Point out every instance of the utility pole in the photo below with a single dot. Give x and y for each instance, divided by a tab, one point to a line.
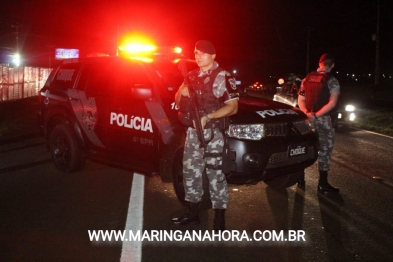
17	37
377	73
16	55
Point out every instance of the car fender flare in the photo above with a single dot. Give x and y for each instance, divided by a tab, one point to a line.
59	115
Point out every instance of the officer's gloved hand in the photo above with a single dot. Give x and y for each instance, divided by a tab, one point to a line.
311	117
184	90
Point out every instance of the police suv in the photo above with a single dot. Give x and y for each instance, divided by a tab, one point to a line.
122	111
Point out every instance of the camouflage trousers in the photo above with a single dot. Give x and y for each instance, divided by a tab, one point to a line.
195	162
326	133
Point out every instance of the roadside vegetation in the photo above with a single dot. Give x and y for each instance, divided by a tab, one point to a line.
377	120
374	110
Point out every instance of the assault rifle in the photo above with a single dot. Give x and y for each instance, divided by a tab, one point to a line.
195	114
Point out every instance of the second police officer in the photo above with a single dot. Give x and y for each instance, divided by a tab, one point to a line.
318	96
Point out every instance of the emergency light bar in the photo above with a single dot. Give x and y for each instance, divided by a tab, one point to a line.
177	50
147	52
138	48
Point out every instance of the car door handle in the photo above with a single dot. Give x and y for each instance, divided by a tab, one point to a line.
72	99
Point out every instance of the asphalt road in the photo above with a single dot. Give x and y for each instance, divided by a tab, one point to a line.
46	215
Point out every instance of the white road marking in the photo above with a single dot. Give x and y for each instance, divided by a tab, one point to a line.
132	250
374	133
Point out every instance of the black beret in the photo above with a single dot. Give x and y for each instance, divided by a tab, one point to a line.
205	46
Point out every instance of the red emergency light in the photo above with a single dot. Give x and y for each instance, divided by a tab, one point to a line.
136	48
142	48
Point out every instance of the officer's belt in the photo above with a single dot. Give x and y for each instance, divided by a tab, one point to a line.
207	154
213	124
210	166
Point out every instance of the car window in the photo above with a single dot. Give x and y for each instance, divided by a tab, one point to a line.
66	75
84	76
100	78
131	75
170	76
285	89
294	89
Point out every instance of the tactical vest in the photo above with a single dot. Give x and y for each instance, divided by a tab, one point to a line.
206	101
316	90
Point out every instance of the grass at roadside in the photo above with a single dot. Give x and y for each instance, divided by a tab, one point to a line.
377	120
375	111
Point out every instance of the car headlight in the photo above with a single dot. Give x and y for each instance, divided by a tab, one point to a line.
349	108
250	132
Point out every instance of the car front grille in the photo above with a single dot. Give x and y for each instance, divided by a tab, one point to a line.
279	129
281	159
302	127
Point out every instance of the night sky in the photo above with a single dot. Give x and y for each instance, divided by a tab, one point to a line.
258	38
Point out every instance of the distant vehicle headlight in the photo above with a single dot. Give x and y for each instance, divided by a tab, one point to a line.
349	108
250	132
352	117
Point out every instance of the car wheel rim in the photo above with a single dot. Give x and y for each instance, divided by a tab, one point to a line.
61	150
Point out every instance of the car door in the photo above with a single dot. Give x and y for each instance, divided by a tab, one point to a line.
131	129
94	91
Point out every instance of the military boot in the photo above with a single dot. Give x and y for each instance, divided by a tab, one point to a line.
323	185
191	217
219	220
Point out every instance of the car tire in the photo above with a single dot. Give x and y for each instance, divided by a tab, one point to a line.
64	149
168	157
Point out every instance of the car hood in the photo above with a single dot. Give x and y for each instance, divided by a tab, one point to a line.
259	110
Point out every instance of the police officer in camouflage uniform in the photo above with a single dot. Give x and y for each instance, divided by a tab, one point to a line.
217	98
318	96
